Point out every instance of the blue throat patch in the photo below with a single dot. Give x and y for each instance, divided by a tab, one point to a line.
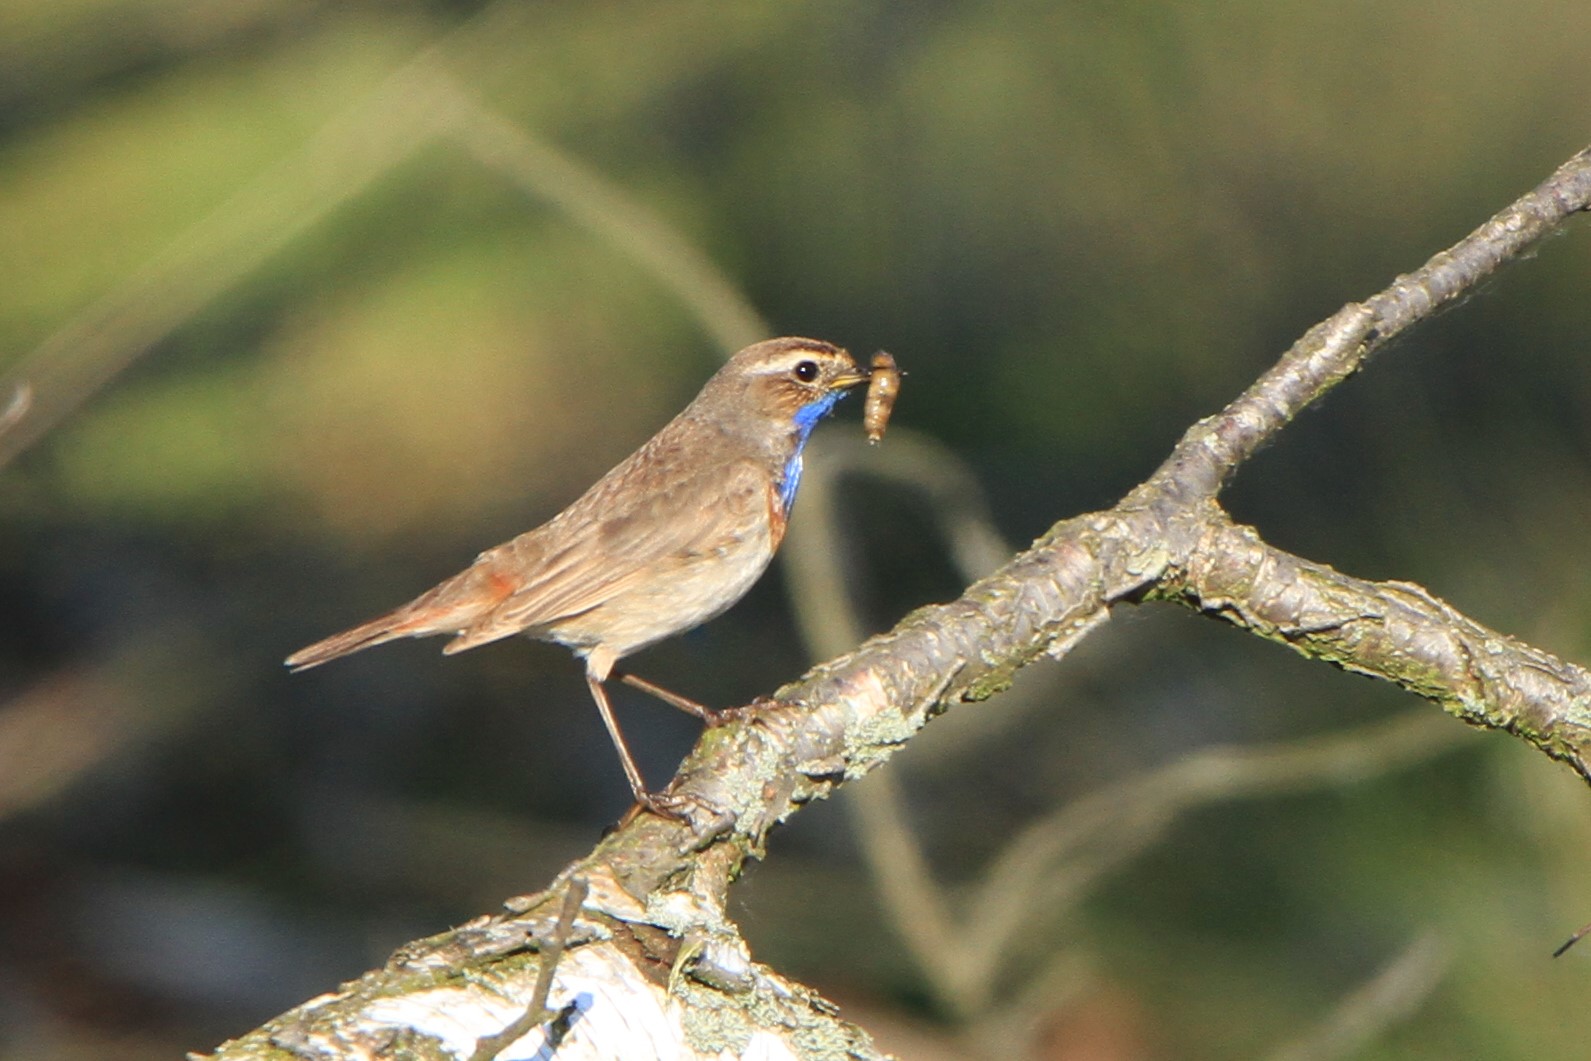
806	418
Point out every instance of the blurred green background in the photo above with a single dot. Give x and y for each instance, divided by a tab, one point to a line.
302	344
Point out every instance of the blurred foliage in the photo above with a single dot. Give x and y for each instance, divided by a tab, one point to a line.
1077	226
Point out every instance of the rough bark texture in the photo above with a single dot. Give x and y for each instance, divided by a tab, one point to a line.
653	965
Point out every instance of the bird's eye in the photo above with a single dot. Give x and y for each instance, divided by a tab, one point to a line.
806	371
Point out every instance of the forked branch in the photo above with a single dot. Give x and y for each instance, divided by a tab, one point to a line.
654	943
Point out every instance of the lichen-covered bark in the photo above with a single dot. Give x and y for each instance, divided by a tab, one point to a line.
1396	631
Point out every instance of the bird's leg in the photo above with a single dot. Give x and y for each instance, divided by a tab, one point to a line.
690	707
659	805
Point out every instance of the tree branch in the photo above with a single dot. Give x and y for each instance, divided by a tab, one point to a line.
1395	631
1338	347
654	946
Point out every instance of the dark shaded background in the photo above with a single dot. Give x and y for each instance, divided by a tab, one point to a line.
1078	226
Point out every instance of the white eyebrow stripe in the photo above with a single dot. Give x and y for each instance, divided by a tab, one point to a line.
791	360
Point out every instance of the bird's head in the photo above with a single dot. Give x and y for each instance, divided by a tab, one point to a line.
771	395
785	384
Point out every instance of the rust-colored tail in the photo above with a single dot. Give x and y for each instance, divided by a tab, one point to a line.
446	608
383	628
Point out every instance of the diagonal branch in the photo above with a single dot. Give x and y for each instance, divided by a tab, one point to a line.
1338	347
655	921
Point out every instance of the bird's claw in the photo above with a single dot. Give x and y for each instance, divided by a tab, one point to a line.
721	717
726	715
665	805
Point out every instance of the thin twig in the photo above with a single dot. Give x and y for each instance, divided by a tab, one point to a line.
1100	832
1010	1029
1580	934
17	405
415	104
826	614
1388	997
285	201
536	1014
609	212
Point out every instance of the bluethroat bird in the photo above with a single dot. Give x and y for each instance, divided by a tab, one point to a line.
669	539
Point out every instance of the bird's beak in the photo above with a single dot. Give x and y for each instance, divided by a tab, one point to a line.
849	380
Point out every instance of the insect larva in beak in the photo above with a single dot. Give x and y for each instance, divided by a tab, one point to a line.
881	392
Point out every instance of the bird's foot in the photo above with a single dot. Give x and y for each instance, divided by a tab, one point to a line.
726	715
704	820
666	805
722	716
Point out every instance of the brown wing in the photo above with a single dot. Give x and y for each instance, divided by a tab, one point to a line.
641	522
